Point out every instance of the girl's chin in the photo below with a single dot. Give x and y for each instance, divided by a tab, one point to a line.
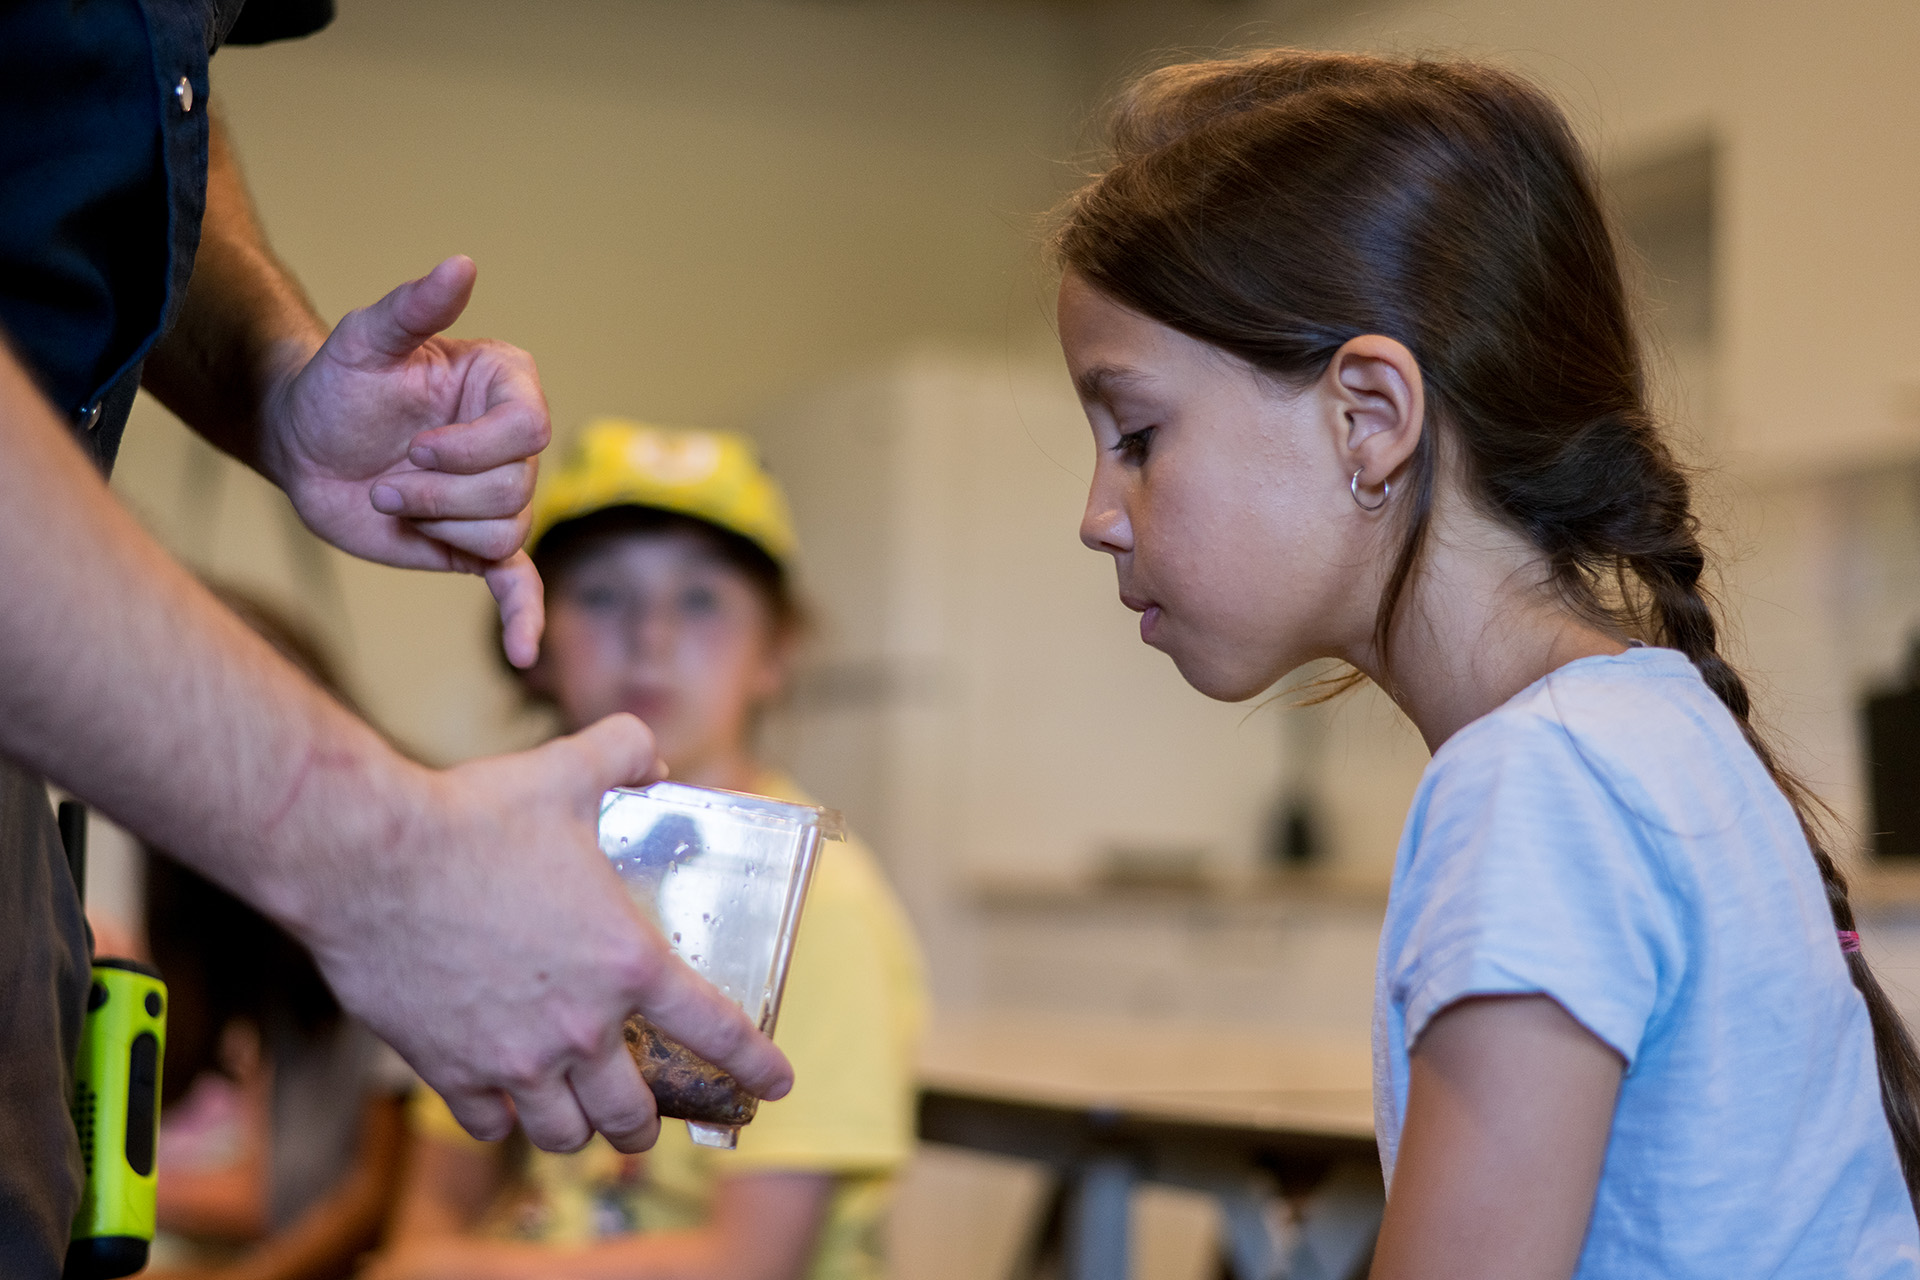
1223	681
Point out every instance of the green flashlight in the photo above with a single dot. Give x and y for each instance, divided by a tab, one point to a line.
116	1110
116	1100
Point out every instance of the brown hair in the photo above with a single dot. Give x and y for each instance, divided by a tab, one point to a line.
1279	204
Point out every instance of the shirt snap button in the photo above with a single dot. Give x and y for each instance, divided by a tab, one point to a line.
184	92
90	416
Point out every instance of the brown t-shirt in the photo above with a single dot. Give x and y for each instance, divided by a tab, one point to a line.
44	970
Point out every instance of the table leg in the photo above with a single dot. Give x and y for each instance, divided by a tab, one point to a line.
1253	1249
1039	1257
1339	1224
1330	1235
1098	1226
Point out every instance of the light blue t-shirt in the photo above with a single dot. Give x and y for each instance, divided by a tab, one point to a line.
1608	839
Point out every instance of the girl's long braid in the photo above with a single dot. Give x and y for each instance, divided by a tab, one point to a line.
1613	508
1682	617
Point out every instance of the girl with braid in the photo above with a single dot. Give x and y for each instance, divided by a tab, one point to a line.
1353	339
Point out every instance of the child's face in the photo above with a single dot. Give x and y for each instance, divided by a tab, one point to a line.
661	626
1221	496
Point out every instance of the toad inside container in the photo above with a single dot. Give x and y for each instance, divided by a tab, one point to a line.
724	875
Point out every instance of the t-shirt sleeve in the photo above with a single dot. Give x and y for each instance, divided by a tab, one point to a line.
429	1117
1528	875
848	1023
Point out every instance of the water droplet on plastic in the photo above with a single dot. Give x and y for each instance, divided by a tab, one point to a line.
624	840
676	937
706	918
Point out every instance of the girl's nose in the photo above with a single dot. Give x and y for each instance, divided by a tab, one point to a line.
652	631
1104	525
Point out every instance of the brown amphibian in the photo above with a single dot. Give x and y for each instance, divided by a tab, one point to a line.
685	1085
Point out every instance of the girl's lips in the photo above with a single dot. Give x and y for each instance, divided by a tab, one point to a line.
1149	614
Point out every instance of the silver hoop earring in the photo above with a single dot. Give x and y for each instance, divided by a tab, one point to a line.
1353	487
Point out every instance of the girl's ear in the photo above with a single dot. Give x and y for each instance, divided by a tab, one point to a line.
1376	389
777	663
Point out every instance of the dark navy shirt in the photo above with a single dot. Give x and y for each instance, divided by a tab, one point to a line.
103	181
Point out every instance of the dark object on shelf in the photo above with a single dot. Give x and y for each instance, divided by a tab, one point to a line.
1891	720
1294	836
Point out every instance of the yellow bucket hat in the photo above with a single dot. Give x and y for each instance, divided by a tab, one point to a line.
710	475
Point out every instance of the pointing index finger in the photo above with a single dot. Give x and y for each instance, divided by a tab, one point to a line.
516	588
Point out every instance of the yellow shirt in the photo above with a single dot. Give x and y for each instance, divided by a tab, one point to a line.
850	1022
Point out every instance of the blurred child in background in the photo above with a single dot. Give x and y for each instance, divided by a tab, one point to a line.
283	1121
667	559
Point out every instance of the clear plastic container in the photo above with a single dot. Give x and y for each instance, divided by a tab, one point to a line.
723	875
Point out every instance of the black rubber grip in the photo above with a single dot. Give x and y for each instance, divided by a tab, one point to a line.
73	838
104	1257
143	1090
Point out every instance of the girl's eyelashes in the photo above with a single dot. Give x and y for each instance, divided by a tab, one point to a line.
1132	445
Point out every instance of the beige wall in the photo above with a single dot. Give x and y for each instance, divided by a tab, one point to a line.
699	210
694	210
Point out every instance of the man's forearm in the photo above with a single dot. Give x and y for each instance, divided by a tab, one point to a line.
127	683
246	323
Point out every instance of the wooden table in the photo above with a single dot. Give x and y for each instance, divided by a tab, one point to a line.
1239	1114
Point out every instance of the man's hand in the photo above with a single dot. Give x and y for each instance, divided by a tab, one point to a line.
394	443
500	953
412	449
467	915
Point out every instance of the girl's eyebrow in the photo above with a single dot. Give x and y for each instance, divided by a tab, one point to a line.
1102	381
